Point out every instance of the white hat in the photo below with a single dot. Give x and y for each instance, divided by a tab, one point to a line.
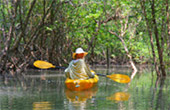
78	51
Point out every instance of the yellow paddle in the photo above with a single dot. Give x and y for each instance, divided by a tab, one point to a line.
116	77
45	65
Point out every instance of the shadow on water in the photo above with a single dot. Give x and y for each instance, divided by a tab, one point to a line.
45	90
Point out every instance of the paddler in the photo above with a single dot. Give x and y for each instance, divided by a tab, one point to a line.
78	69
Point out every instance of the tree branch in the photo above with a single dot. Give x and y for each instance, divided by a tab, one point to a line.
127	53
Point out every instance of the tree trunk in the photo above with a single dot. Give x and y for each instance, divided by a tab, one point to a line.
160	50
168	27
151	39
108	57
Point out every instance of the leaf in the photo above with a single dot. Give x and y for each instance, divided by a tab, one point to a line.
49	29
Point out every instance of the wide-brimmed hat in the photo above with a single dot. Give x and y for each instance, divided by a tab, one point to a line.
79	51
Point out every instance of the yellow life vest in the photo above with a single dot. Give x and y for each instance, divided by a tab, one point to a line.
78	69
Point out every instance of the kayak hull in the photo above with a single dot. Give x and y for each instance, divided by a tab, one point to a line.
80	85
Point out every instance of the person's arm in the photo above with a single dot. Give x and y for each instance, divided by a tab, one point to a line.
67	71
67	74
88	71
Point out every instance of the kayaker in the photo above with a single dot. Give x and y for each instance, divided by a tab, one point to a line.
77	68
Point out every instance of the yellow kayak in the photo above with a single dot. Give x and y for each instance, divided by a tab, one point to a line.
80	85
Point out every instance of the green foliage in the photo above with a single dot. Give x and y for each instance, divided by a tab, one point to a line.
86	24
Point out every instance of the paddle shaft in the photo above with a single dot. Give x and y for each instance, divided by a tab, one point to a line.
101	74
60	67
98	74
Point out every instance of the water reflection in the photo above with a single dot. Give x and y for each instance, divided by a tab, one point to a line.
160	100
45	90
119	96
78	99
42	106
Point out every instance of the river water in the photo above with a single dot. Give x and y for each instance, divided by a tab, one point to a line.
45	90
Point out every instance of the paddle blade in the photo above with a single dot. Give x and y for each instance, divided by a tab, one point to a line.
119	78
43	64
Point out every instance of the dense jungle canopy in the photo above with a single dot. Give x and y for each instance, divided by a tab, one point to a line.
111	31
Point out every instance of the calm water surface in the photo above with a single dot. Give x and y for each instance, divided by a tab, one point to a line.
45	90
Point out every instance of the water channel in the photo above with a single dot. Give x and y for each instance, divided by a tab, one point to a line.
45	90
